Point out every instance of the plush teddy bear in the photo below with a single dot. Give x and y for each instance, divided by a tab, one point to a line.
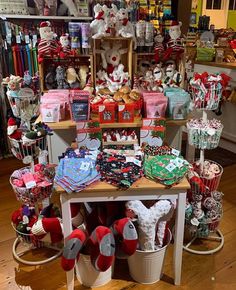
125	27
174	45
47	44
72	78
98	24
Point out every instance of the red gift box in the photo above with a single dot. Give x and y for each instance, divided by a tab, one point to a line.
107	113
126	113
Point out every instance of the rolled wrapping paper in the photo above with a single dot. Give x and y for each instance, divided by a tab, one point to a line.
204	134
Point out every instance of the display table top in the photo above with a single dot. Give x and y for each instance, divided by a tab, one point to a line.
140	185
69	124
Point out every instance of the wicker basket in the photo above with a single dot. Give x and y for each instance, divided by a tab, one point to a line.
32	195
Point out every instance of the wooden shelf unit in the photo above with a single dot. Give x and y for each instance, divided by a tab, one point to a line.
42	17
78	60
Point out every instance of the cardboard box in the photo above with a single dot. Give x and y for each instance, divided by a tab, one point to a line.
126	113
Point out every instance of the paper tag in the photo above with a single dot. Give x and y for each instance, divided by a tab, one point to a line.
101	108
28	179
25	220
84	166
175	152
211	131
170	167
129	159
18	39
178	162
194	221
35	39
27	39
8	38
137	162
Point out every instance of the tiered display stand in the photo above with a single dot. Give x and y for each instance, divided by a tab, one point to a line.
25	107
207	229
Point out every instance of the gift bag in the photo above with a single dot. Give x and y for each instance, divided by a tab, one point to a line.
152	132
155	105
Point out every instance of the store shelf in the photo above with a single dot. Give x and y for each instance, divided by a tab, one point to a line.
41	17
68	124
132	142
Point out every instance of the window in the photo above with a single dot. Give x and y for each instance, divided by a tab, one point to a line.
232	4
213	4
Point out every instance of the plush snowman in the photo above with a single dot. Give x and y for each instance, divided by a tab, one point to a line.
47	44
174	46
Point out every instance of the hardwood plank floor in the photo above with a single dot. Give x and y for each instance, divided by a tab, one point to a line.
210	272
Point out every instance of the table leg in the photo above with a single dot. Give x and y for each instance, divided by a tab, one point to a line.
67	229
179	236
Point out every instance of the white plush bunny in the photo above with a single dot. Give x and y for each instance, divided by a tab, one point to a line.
98	24
148	220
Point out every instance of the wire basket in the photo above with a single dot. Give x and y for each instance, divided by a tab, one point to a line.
29	238
25	105
206	138
207	96
32	195
28	152
204	228
208	184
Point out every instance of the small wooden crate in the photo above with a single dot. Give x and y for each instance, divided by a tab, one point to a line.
74	61
126	58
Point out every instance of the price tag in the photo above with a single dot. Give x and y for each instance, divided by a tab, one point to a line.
175	152
27	39
18	39
170	167
84	166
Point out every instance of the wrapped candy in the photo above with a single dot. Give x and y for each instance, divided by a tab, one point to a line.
204	134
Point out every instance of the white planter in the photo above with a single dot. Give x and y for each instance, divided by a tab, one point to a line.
145	267
89	276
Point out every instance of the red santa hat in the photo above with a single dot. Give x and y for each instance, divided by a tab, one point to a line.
45	24
11	122
175	23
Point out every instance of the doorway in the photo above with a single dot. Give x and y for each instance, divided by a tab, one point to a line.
218	12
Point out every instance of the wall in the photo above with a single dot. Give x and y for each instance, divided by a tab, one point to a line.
232	19
231	15
198	11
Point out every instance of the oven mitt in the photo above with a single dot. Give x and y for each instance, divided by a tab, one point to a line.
102	248
71	249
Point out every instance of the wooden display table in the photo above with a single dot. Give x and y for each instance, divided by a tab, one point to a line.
143	189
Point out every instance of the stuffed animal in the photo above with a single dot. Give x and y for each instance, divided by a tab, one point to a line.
47	44
158	78
12	129
125	27
72	78
98	24
13	85
158	46
83	73
60	78
148	219
50	78
65	48
174	46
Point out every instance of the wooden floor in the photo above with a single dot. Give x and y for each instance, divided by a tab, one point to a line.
211	272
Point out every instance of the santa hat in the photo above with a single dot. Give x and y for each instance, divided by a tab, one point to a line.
11	126
175	23
11	122
45	24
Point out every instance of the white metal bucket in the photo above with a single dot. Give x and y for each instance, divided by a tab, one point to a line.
89	276
146	267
